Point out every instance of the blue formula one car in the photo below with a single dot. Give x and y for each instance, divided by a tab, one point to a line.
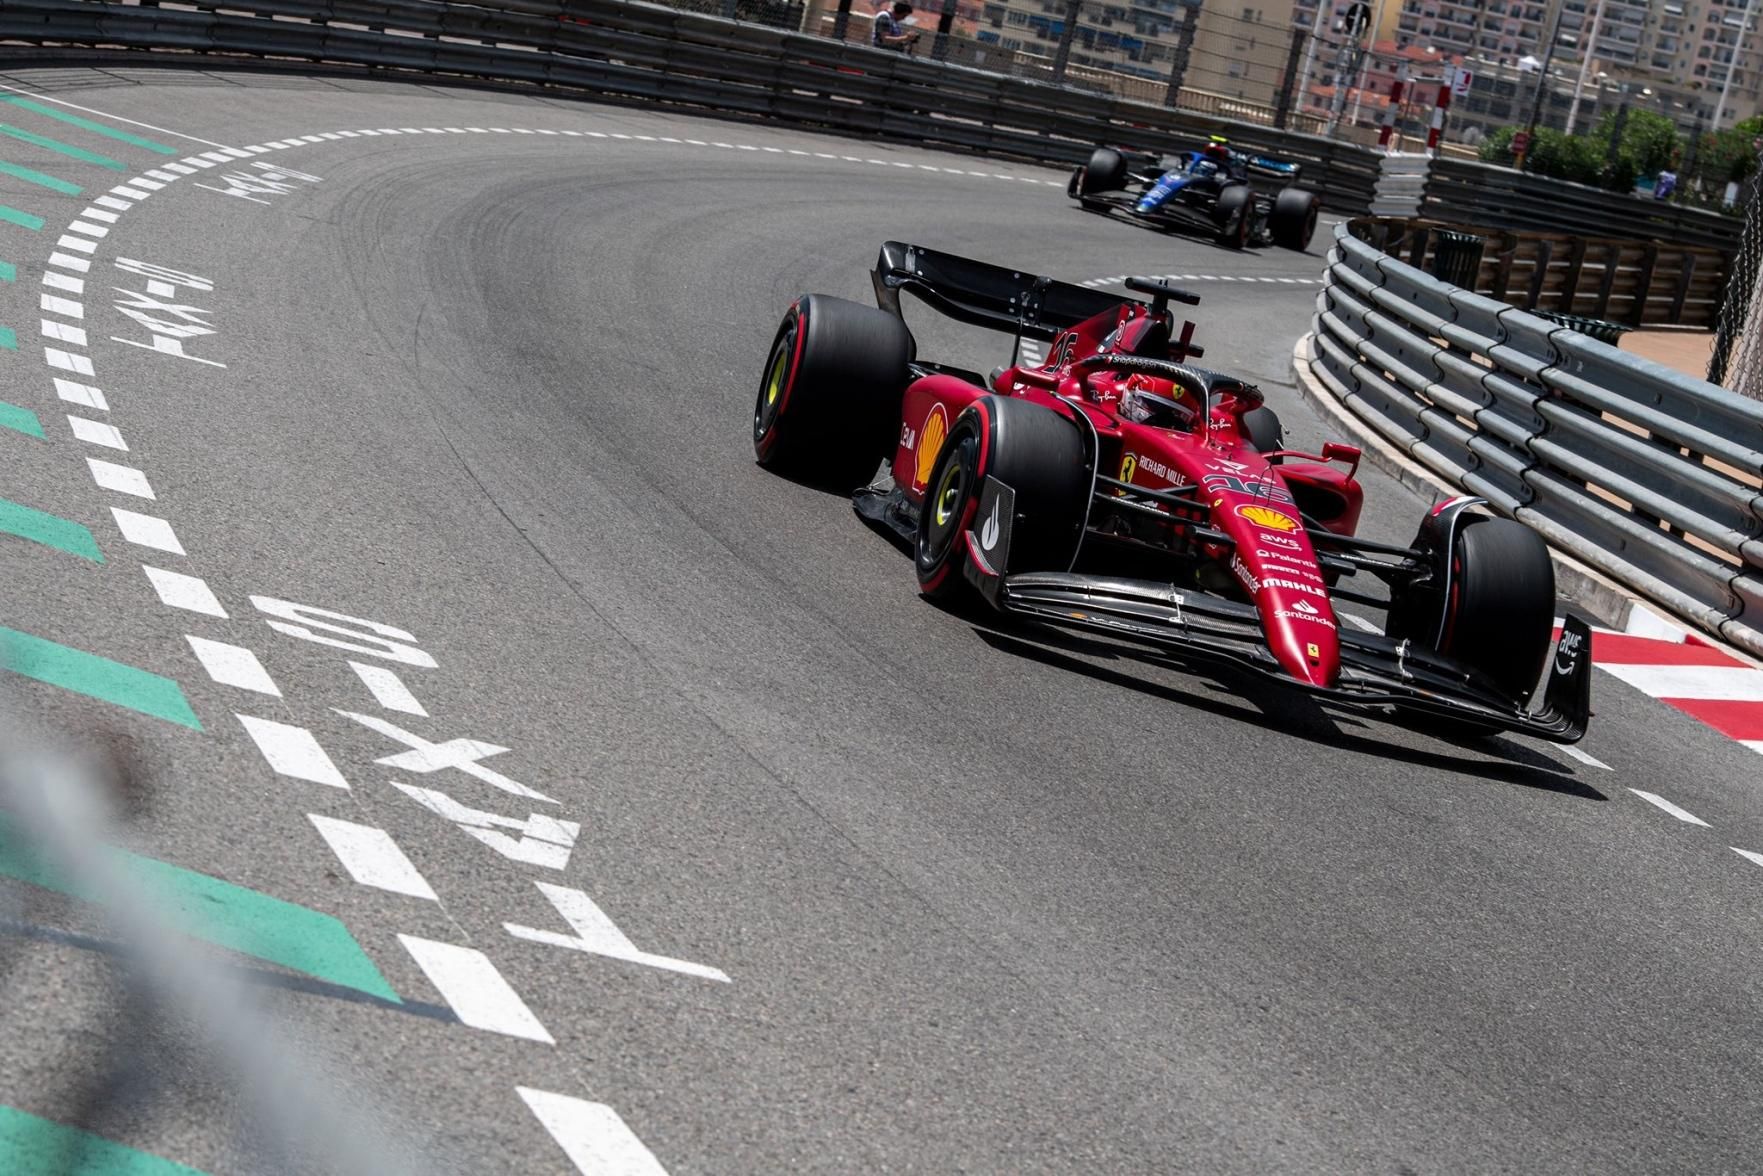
1238	199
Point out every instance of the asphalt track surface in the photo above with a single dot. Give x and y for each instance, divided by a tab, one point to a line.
984	903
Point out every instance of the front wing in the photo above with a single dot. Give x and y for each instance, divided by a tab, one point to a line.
1174	215
1376	671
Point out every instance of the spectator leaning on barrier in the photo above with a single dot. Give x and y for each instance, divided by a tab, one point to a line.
889	33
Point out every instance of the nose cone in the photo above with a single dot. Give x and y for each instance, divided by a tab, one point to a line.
1303	639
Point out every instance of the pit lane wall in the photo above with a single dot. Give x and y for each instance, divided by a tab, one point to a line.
1651	477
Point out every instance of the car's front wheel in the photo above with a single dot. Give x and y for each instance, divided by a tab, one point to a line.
1035	451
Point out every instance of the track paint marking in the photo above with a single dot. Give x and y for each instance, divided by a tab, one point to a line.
292	751
8	339
120	478
233	665
87	229
1586	758
8	272
171	171
143	182
97	432
96	677
1731	683
596	934
20	420
67	149
147	531
62	332
1683	815
425	757
77	244
31	1144
55	304
49	530
97	128
1610	649
79	365
1753	858
225	914
591	1134
77	264
371	857
41	179
474	989
388	689
84	394
22	219
131	193
1358	622
176	590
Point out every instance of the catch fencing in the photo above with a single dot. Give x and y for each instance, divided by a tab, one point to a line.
1652	477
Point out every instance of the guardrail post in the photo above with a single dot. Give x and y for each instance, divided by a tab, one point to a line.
1684	277
1575	263
1612	260
1178	66
1643	285
842	21
1508	252
1072	10
1283	111
1540	274
728	8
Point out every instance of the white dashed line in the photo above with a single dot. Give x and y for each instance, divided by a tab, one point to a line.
1586	758
1683	815
82	394
62	332
176	590
372	858
120	478
1754	858
474	989
146	531
63	306
233	665
63	282
292	751
97	432
592	1135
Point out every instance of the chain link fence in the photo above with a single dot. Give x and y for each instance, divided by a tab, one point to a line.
1737	362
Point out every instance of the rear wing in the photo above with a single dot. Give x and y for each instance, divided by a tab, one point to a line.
984	295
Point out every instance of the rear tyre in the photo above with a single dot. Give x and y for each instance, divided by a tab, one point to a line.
830	395
1233	212
1106	172
1293	219
1501	614
1035	451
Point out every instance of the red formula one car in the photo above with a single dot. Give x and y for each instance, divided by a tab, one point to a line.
1119	489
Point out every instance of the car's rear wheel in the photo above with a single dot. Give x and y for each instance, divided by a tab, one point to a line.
1035	451
1234	214
1293	219
1106	172
830	396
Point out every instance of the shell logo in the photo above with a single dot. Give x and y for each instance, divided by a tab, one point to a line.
930	442
1266	516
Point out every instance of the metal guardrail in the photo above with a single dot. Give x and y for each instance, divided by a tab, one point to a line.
1638	283
1652	477
628	50
1500	198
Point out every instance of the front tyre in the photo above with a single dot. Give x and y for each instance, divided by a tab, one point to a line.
1040	455
830	394
1234	214
1501	614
